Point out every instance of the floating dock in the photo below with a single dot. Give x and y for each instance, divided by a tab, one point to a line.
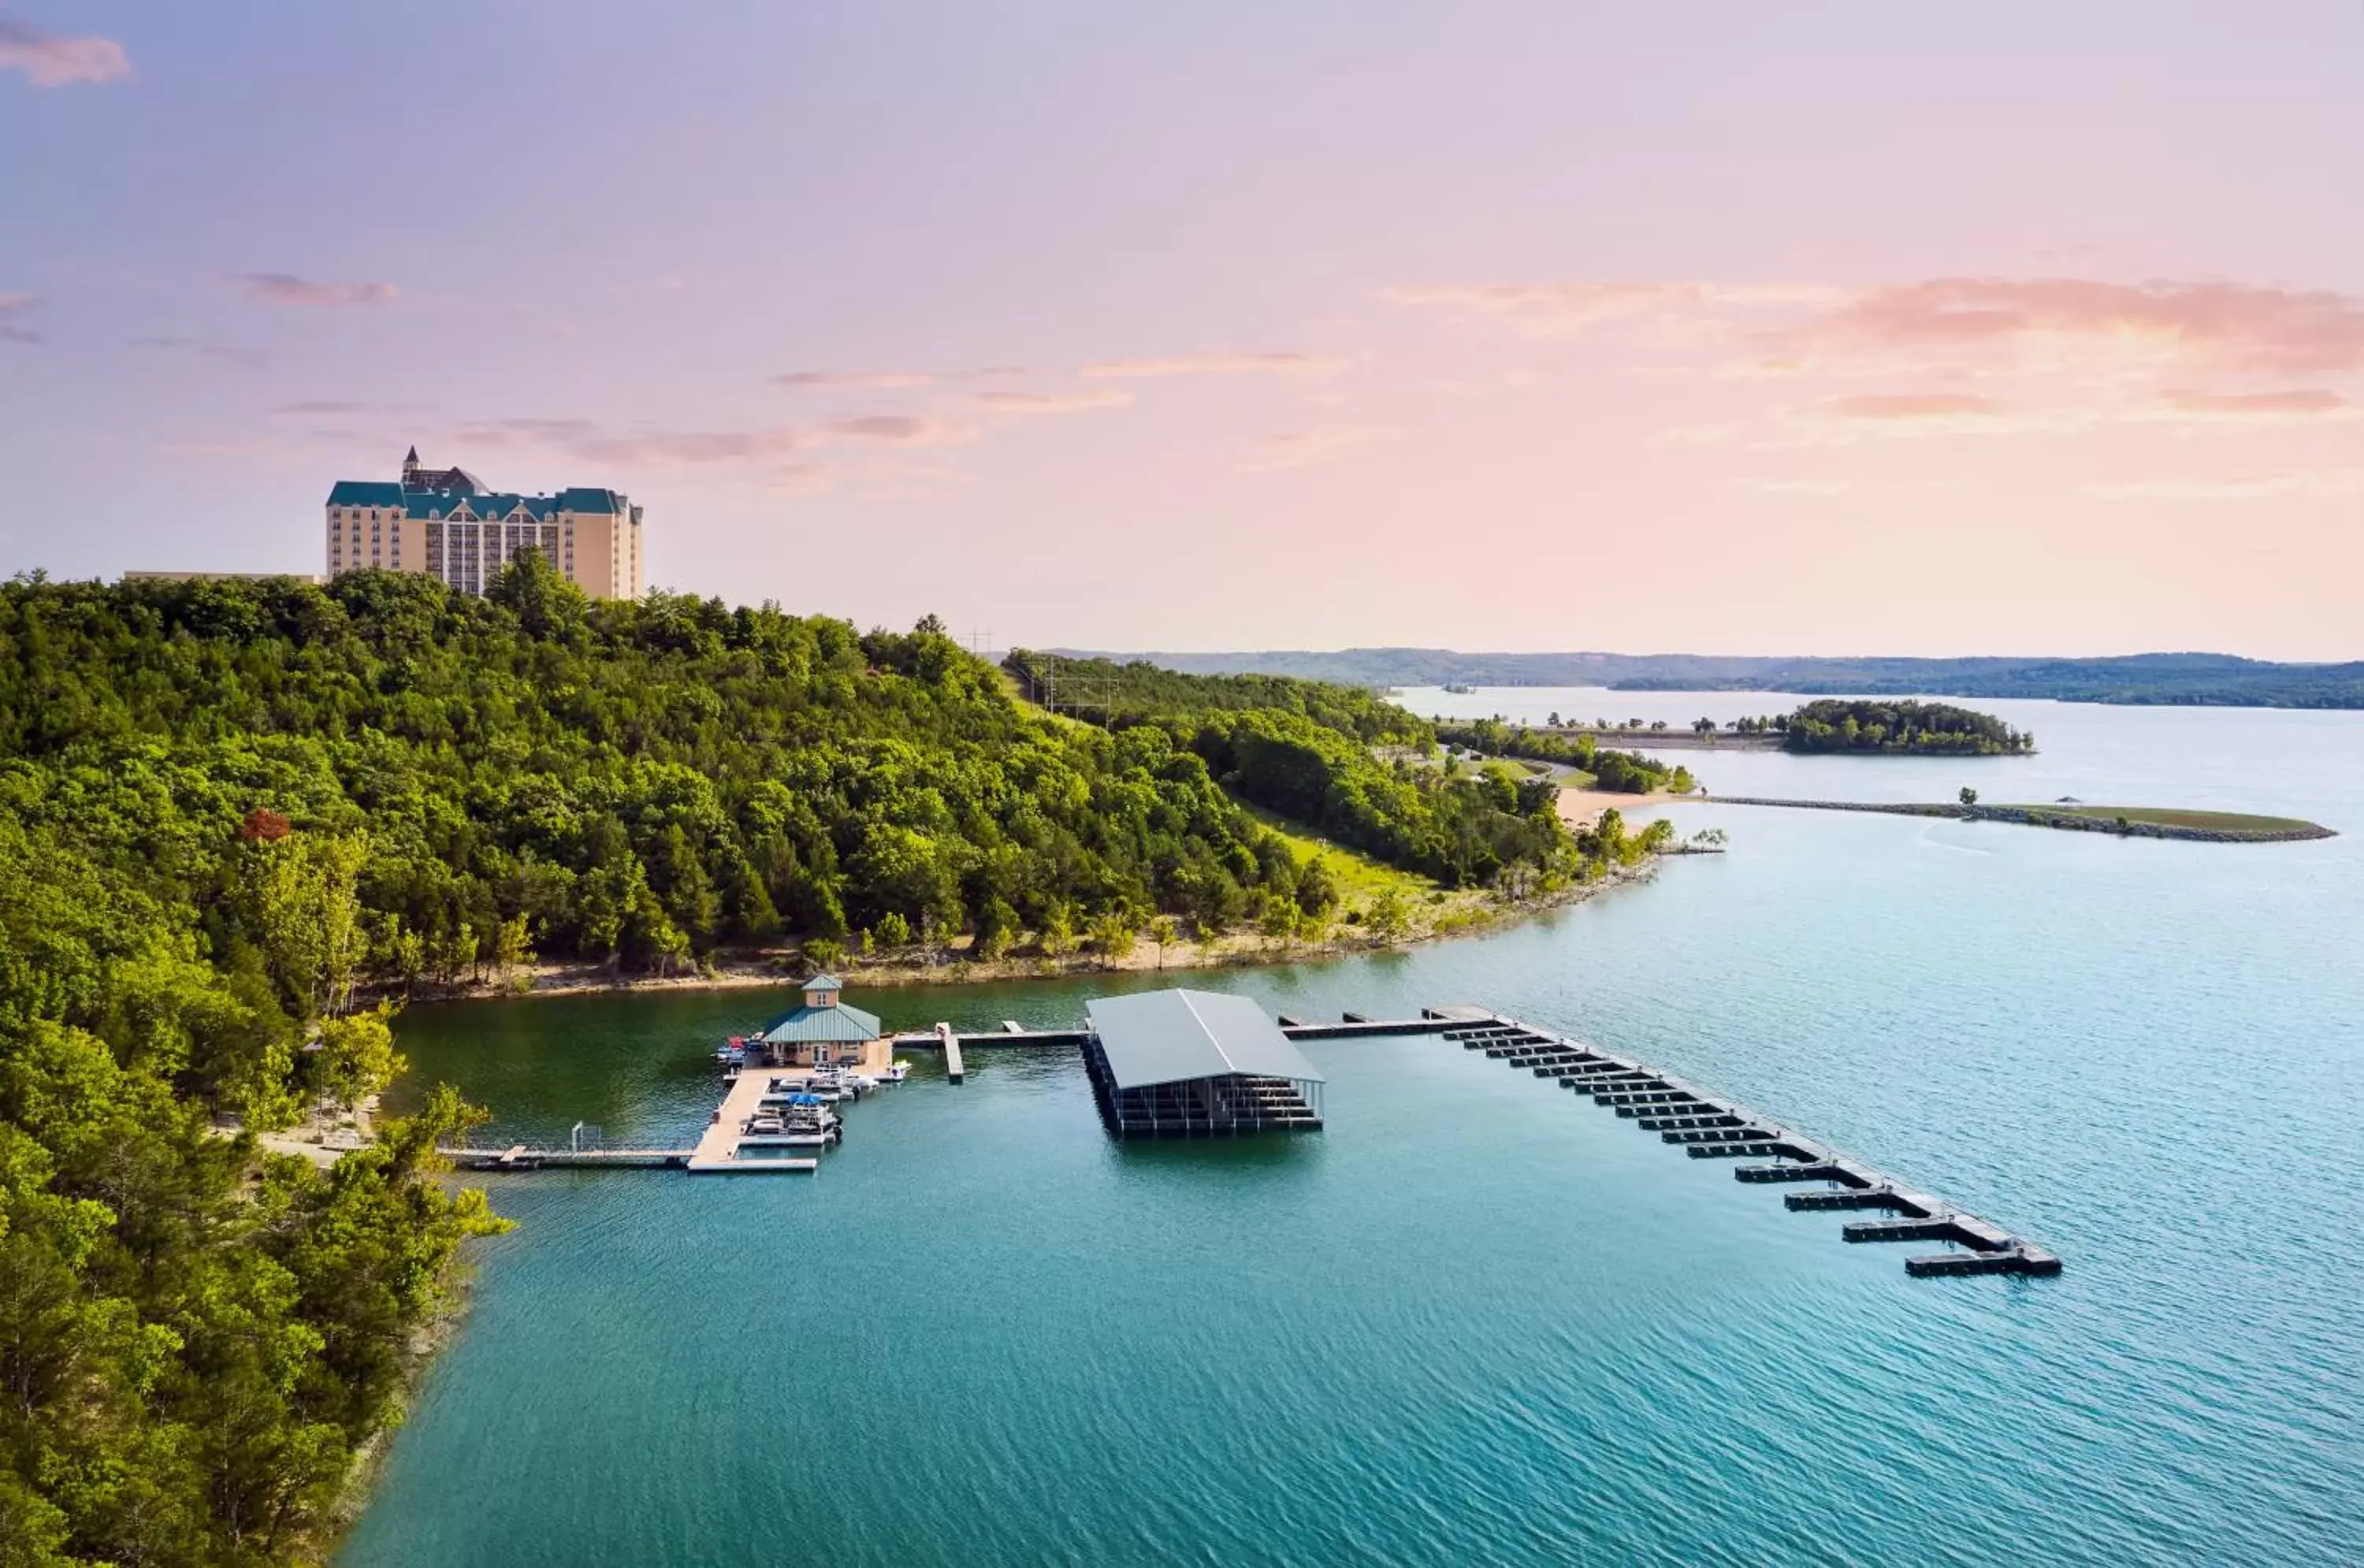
725	1148
1707	1128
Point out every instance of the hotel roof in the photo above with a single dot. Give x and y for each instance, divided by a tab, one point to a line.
1170	1036
444	503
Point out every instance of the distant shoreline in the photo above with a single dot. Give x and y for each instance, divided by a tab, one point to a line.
2166	680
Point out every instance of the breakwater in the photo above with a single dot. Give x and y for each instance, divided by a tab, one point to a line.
2039	816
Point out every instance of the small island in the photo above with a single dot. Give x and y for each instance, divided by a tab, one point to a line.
1828	726
1885	727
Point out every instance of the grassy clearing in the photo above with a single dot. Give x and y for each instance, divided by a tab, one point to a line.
2169	816
1360	878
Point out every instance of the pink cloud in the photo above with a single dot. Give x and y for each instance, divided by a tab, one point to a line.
1885	405
1053	402
1548	306
2311	406
593	442
1545	309
1219	364
863	379
1843	421
900	429
13	305
2303	485
206	348
286	288
670	448
2239	325
1299	449
49	61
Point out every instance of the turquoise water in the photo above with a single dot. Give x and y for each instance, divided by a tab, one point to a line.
1479	1320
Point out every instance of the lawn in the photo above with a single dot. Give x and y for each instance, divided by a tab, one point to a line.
1359	877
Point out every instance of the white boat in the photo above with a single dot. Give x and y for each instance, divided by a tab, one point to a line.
811	1120
897	1073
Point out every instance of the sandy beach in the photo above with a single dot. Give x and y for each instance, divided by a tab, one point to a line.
1583	807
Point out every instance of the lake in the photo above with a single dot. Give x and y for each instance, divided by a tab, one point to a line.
1476	1320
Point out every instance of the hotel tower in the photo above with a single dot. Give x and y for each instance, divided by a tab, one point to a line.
443	522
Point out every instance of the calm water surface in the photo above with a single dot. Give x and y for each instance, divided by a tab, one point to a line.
1479	1320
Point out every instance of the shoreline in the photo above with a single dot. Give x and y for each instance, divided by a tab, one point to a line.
780	968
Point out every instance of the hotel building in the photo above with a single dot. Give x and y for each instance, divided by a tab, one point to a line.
442	521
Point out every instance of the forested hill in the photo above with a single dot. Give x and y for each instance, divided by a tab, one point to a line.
1106	691
1304	749
2188	679
224	805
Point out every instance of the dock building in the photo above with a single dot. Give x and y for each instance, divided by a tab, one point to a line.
824	1032
445	523
1195	1064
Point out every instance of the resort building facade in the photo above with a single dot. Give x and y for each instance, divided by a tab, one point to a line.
442	521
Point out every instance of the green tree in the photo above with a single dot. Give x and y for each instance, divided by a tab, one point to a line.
1113	935
356	1058
1164	931
1058	935
511	949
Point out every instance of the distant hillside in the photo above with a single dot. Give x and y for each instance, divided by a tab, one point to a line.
2209	679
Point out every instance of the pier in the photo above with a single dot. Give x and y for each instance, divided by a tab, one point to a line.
1707	1128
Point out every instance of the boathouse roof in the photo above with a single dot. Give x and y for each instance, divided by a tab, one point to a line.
1170	1036
835	1024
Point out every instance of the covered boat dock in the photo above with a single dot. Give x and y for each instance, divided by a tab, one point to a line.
1195	1064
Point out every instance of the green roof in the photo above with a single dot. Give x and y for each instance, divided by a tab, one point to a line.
832	1024
443	503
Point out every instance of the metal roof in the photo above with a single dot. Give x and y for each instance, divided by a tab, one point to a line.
830	1025
486	505
1168	1036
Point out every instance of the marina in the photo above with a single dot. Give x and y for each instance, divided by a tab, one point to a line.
1181	1063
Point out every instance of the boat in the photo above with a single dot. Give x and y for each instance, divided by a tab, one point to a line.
806	1117
733	1051
895	1074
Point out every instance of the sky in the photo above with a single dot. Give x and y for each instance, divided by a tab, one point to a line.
1821	328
